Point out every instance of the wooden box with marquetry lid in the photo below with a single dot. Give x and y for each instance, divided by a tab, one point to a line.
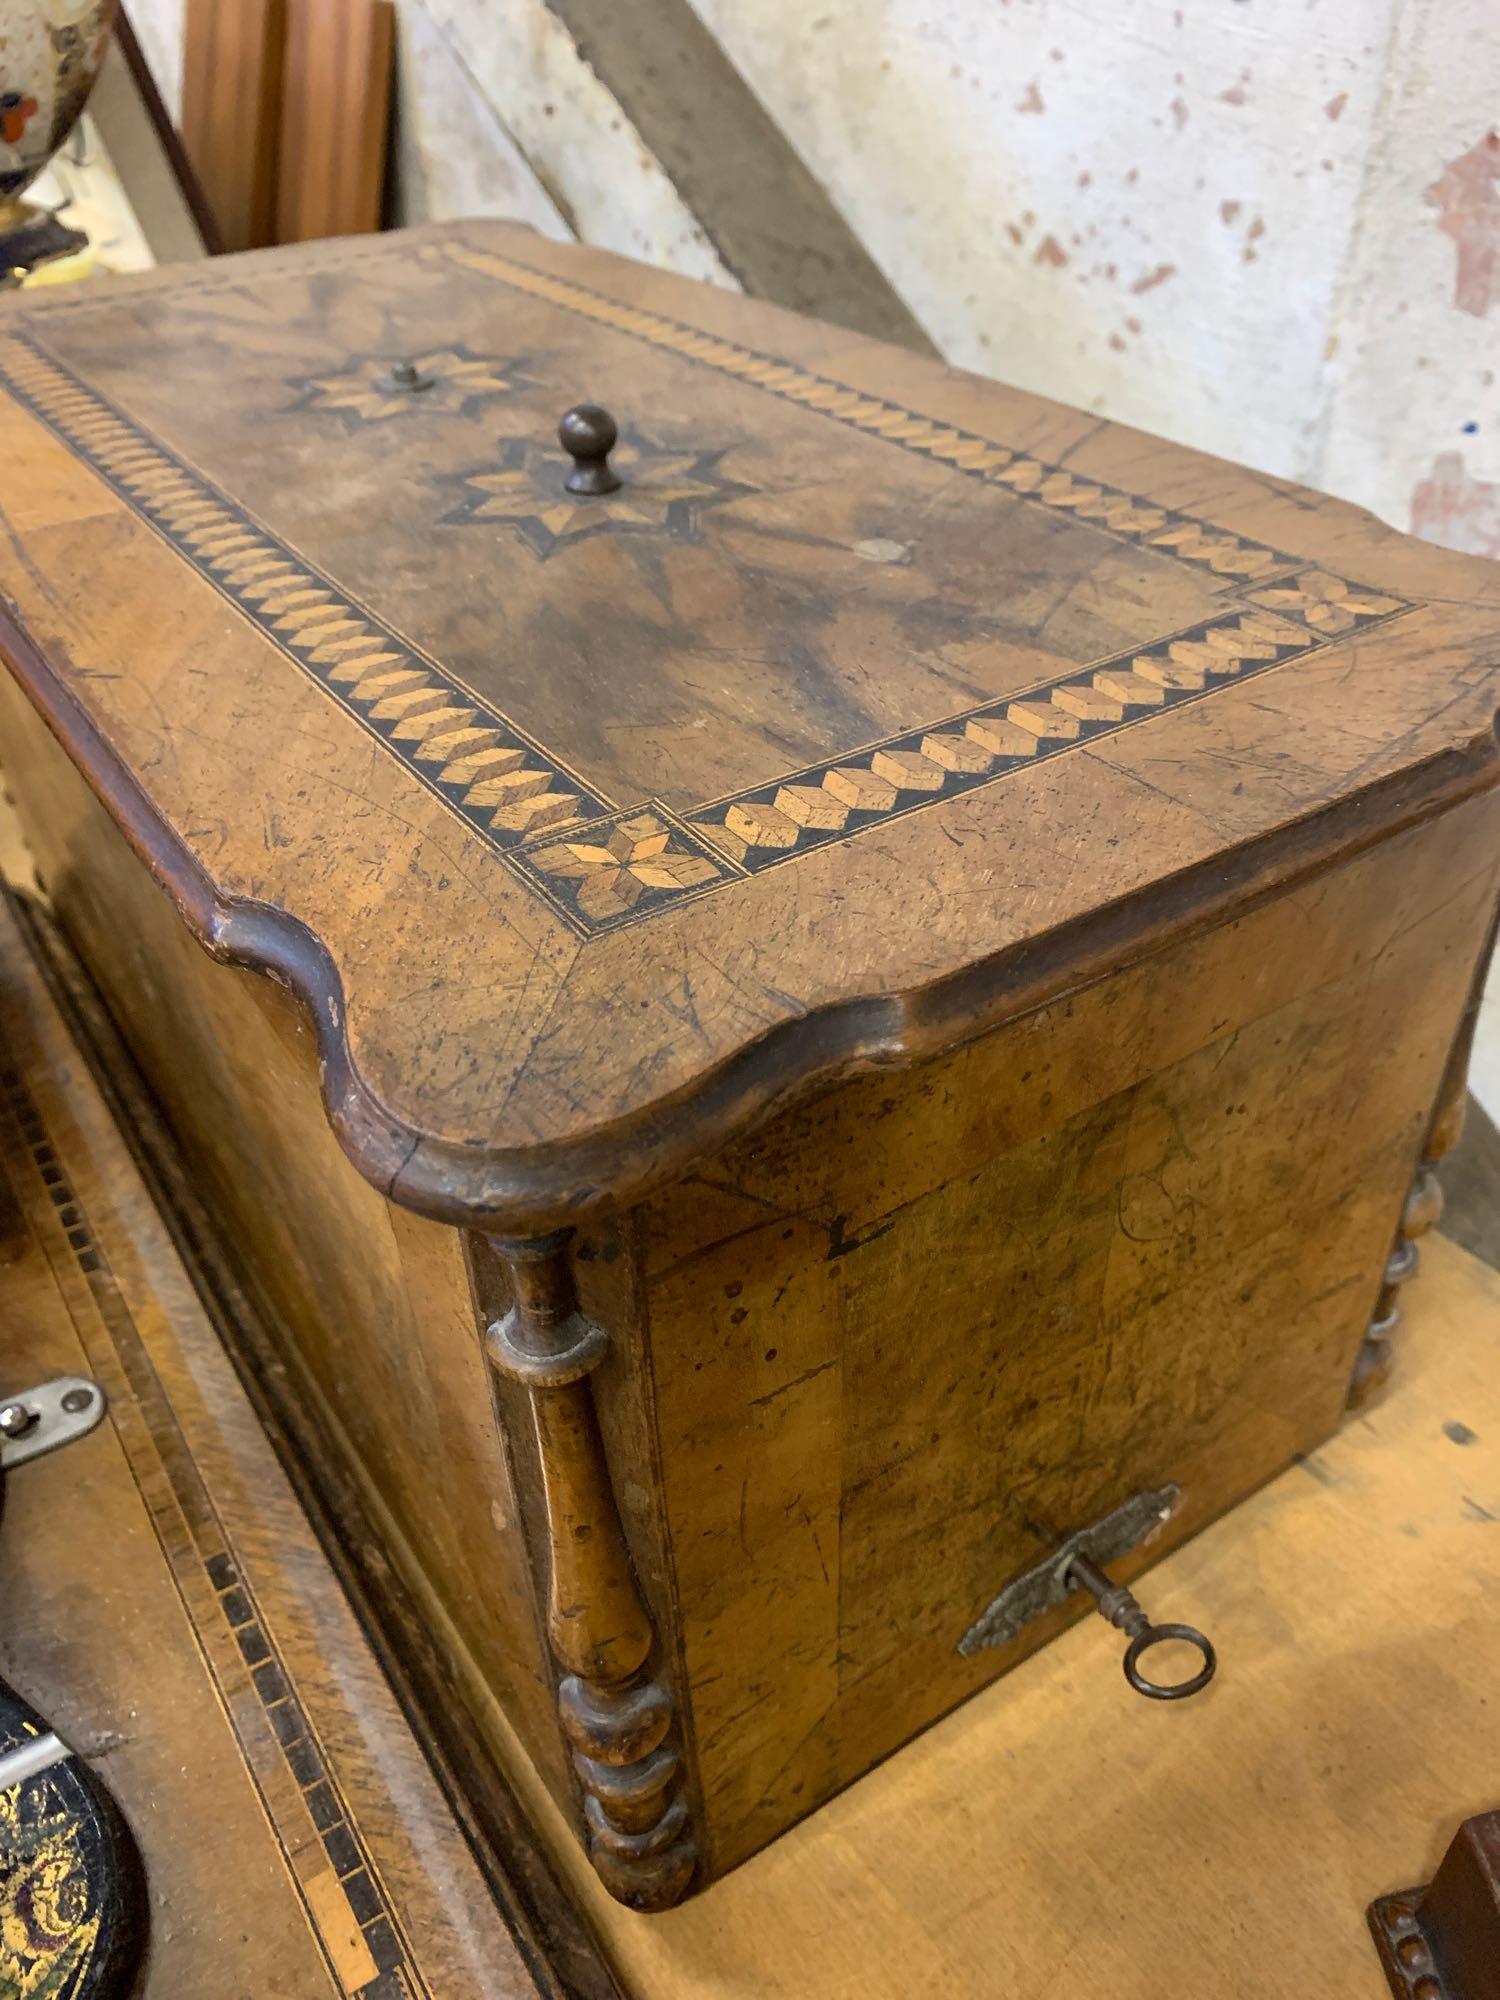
814	996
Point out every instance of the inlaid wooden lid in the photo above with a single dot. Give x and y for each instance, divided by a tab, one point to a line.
858	704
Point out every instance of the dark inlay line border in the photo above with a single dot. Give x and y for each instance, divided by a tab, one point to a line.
482	765
767	825
600	866
397	1974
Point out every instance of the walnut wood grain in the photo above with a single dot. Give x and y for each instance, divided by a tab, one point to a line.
336	100
962	912
676	676
1423	1208
175	1607
1050	1836
231	113
615	1717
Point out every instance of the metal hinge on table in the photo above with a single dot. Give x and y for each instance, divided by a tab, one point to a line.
46	1418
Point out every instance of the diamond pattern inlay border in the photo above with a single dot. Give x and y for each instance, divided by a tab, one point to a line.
476	760
767	824
1036	481
600	865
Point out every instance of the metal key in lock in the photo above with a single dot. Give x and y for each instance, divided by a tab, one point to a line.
1076	1564
1118	1606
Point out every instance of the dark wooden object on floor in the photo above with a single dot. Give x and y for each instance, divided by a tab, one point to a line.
1443	1942
878	988
231	113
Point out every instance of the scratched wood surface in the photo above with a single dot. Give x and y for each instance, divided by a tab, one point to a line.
1132	818
170	1611
1058	1835
1116	1207
905	1340
1104	1858
764	765
324	1255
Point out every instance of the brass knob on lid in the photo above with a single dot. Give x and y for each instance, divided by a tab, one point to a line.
588	435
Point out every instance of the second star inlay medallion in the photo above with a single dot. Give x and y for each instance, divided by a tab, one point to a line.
379	388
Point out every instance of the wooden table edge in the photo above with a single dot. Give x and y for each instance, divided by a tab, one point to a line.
521	1191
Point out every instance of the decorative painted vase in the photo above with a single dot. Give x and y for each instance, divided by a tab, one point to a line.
50	52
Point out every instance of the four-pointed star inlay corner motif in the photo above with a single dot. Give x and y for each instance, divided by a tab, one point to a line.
447	381
663	490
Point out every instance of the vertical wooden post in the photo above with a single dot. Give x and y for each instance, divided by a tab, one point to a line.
233	52
615	1716
1424	1202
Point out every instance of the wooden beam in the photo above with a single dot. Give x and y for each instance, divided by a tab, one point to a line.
335	114
771	221
231	112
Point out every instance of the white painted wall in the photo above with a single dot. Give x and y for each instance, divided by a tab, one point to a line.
1269	228
1223	220
1138	206
158	28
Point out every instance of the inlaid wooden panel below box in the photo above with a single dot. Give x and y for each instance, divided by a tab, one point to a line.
966	914
170	1609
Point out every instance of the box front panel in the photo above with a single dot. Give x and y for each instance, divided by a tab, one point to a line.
914	1334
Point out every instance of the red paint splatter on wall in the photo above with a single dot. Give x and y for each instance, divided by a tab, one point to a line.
1050	251
1031	99
1334	108
1467	199
16	112
1153	278
1451	506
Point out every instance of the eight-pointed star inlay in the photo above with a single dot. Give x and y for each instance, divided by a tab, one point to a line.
663	490
448	381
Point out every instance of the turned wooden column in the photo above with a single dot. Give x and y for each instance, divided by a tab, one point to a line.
616	1717
1423	1206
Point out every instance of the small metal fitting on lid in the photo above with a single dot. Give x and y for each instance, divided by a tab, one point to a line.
407	377
589	434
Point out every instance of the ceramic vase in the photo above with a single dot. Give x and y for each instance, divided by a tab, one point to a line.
50	52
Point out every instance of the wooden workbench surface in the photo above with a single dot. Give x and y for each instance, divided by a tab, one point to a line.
169	1610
